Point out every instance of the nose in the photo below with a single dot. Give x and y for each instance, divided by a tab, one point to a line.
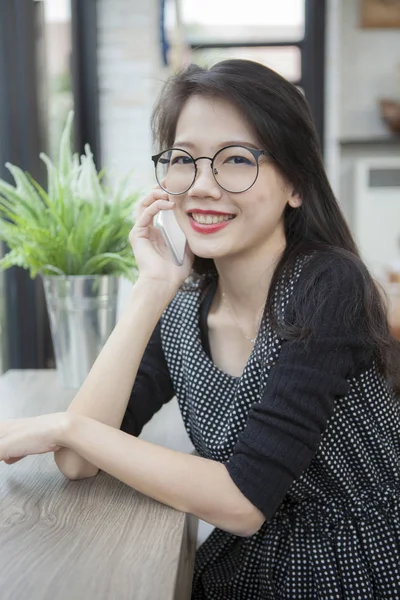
205	184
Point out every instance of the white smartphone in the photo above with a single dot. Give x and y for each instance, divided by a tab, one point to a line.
174	237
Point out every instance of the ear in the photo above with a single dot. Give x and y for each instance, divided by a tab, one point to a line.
295	201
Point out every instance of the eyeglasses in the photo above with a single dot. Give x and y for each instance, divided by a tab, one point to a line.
235	168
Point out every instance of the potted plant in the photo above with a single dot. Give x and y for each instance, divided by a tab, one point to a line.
75	235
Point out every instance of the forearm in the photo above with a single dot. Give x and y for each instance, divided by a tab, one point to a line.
187	483
105	392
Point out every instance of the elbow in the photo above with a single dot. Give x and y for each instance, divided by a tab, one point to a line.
72	466
244	521
237	514
246	518
249	524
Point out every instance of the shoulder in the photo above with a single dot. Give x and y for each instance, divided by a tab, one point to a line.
331	273
185	303
331	287
334	264
193	291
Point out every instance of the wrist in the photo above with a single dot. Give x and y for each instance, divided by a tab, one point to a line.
162	290
64	428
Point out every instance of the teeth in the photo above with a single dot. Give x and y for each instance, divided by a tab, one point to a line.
210	219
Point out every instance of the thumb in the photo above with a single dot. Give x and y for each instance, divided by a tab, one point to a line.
11	461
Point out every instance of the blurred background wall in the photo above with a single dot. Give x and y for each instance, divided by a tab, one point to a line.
370	68
130	72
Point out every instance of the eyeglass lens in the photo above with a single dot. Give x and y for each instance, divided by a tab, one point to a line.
235	169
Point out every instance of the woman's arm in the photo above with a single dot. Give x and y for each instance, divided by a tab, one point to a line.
152	388
188	483
105	393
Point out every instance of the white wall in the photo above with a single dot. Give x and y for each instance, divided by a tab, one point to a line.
370	69
130	76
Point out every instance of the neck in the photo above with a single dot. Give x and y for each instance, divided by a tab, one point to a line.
246	279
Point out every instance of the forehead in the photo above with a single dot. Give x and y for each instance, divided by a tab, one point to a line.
210	122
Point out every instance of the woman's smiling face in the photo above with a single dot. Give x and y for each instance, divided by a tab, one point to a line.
255	217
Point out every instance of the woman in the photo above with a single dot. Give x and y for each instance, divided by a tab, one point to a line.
278	351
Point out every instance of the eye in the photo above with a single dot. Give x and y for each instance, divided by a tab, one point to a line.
238	160
181	159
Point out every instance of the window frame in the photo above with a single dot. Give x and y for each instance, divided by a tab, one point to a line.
312	57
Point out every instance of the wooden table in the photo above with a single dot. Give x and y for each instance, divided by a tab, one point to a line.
95	538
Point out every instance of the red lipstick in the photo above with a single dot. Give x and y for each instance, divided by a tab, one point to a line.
207	228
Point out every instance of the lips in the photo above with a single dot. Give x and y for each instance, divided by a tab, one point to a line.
209	216
209	221
208	212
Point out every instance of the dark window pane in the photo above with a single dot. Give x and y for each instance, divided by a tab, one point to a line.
384	178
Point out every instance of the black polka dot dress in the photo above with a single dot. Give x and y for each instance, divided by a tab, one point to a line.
326	475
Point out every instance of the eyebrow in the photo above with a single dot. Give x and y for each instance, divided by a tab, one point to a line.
193	146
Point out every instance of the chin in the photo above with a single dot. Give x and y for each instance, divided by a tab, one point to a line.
208	251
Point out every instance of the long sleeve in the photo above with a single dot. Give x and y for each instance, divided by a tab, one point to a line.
152	387
284	429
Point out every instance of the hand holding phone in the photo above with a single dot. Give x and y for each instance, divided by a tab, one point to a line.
173	235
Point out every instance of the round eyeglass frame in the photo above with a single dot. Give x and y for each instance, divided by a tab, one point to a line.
256	153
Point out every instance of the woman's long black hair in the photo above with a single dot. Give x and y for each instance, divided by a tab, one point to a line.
281	119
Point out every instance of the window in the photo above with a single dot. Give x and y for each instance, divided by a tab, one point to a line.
287	36
58	45
213	21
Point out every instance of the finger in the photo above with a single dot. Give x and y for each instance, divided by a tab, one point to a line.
156	194
148	214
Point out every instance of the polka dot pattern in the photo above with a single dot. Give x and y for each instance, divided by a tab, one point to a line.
336	536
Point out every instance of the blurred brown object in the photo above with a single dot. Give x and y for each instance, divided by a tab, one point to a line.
390	113
393	268
392	301
394	277
380	14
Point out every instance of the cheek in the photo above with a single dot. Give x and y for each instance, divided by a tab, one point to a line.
267	210
181	217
